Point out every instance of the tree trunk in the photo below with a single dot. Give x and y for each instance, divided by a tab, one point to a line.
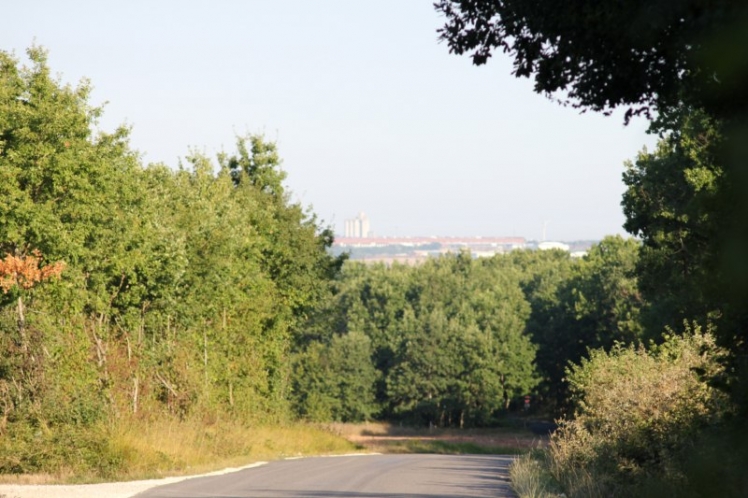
506	394
136	388
205	356
22	326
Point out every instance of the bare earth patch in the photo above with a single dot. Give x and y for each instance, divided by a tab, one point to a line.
389	438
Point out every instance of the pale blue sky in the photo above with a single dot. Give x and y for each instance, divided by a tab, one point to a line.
370	112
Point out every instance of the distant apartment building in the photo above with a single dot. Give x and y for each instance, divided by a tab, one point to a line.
357	227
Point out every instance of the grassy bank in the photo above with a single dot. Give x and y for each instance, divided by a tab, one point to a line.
531	477
139	450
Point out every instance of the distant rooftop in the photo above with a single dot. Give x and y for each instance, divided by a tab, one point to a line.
417	241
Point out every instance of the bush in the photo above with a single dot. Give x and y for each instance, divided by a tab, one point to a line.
64	450
638	415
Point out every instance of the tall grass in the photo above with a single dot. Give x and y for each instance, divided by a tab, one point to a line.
158	448
530	477
171	446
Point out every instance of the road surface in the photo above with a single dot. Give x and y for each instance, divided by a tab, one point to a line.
365	476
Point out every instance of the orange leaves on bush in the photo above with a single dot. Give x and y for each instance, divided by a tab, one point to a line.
25	271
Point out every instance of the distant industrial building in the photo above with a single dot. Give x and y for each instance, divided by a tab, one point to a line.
357	227
411	250
547	246
473	243
361	244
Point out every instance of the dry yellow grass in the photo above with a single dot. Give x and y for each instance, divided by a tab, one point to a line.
169	447
173	447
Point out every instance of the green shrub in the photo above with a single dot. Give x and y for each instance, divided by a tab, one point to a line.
638	415
83	451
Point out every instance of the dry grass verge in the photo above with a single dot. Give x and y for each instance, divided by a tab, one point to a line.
163	448
531	479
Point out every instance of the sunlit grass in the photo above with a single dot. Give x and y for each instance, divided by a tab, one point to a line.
173	447
135	450
531	479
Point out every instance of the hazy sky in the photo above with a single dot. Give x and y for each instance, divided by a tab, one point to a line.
370	112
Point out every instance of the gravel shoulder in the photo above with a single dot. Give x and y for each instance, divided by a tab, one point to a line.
104	490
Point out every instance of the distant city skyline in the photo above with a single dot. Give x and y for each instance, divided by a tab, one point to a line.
370	112
415	250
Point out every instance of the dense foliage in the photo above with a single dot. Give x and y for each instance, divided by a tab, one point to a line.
179	291
685	201
446	338
576	307
683	65
646	55
456	340
673	203
138	293
639	413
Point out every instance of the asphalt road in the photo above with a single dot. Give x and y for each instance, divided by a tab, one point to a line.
367	476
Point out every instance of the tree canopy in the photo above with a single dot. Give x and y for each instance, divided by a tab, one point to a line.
645	55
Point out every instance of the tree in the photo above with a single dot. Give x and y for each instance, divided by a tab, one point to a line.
675	203
606	294
184	290
447	337
68	191
648	56
335	381
23	273
686	202
661	57
294	248
579	305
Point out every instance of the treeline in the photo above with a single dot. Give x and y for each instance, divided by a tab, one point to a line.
458	340
178	292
